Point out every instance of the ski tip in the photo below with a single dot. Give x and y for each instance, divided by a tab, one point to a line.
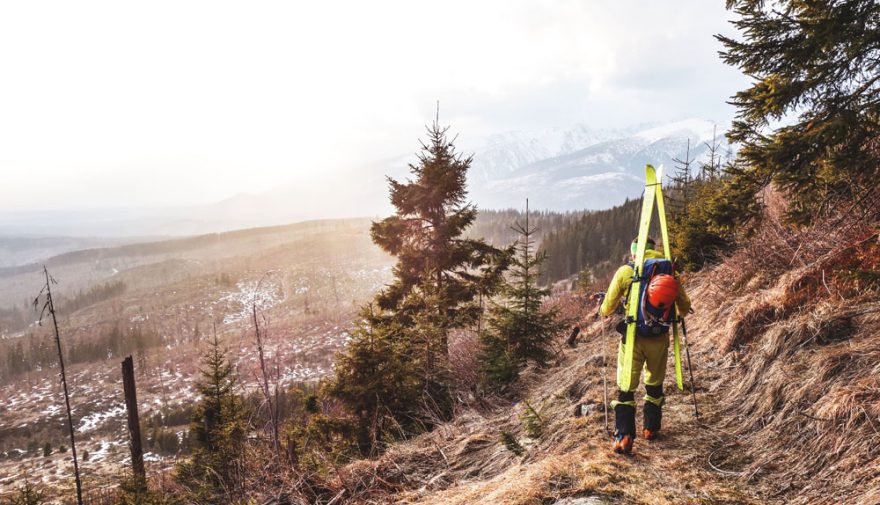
650	176
659	173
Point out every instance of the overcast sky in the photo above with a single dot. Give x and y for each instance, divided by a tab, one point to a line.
166	103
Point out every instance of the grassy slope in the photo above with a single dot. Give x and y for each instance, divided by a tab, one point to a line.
572	457
785	348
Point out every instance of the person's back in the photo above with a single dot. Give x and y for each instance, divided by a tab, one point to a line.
650	352
622	281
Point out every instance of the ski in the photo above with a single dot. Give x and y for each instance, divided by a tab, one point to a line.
667	253
653	193
624	378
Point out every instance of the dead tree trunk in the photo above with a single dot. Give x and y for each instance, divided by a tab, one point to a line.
134	425
49	306
264	372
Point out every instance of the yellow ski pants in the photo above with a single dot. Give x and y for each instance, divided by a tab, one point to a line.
650	353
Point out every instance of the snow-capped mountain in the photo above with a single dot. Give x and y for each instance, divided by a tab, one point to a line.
497	155
585	169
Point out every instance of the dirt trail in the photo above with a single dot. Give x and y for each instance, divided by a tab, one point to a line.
571	462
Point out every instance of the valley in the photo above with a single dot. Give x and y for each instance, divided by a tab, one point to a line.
306	281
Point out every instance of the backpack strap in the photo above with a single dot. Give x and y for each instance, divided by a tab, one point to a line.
634	277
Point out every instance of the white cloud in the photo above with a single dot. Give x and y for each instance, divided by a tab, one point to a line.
119	103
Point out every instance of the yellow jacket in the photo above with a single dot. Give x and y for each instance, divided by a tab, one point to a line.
620	285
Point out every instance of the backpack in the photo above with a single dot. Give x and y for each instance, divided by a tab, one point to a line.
652	321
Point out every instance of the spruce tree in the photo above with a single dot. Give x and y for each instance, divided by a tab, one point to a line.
520	329
378	378
27	495
393	373
439	274
681	184
816	70
218	430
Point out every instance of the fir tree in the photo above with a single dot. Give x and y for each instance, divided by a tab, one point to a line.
27	495
815	65
218	430
710	168
698	237
393	373
378	378
520	329
439	274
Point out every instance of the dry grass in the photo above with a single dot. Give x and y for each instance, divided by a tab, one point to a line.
465	462
801	404
785	346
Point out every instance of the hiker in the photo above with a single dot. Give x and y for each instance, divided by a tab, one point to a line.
650	350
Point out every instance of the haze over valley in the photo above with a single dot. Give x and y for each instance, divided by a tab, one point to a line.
559	169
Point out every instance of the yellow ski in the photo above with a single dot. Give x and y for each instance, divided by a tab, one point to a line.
653	192
625	378
667	253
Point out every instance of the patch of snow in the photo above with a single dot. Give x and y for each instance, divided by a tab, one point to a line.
264	295
101	453
94	420
699	130
51	410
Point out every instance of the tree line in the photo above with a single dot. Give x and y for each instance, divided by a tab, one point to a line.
36	351
597	241
17	318
498	227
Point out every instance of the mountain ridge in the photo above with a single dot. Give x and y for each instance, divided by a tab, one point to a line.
558	169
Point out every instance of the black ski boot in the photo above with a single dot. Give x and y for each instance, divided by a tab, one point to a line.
653	411
624	421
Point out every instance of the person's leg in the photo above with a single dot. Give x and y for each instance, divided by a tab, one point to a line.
625	413
625	405
656	351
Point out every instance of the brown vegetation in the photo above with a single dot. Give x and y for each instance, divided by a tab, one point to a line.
797	369
785	350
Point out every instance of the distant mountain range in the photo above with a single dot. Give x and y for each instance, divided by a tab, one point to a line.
559	169
580	168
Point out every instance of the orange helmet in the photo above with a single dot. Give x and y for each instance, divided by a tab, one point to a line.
662	291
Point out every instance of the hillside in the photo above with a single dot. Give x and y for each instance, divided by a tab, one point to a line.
91	268
596	241
784	347
161	301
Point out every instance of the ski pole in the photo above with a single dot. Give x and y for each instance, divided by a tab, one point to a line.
687	351
600	297
605	372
